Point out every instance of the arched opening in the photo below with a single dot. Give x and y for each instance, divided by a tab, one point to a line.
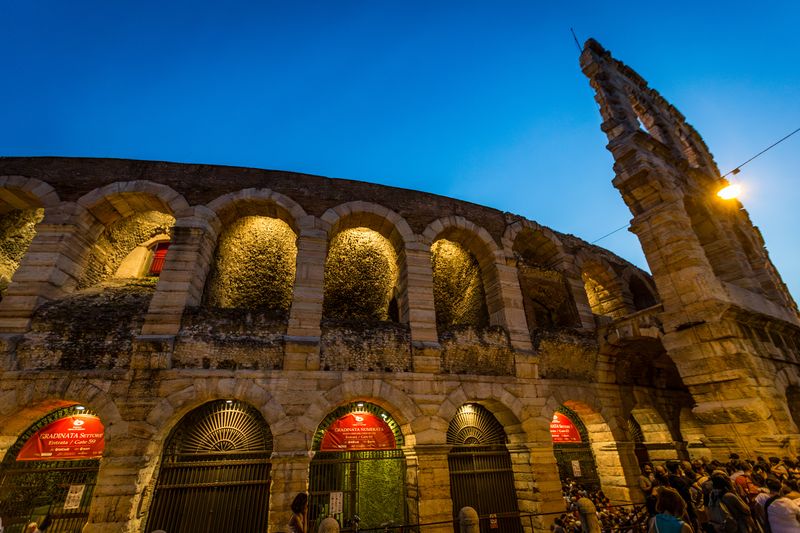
361	277
643	296
481	472
254	266
546	298
573	450
358	471
215	472
126	248
49	474
603	292
17	229
458	292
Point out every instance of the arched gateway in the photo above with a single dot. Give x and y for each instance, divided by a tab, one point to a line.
215	472
358	469
49	474
481	473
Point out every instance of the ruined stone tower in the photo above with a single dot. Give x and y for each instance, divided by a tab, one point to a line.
729	321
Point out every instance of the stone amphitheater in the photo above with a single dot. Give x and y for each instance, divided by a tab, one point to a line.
243	335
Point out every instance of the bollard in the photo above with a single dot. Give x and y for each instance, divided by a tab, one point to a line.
468	520
329	525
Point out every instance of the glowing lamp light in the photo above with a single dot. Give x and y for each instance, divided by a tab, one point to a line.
80	408
729	192
229	402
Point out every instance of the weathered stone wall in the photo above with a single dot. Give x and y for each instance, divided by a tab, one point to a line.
365	347
458	291
254	266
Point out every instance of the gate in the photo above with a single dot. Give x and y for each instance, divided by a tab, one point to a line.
372	485
36	491
481	473
575	459
215	473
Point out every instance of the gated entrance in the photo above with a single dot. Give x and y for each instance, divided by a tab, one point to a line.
481	474
572	449
52	485
215	472
358	471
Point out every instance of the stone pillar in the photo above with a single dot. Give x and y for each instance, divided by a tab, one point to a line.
544	495
303	333
421	308
50	269
618	470
289	477
117	491
433	487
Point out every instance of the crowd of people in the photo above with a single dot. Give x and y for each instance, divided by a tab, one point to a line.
738	496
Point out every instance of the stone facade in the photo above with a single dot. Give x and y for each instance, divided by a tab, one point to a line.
702	355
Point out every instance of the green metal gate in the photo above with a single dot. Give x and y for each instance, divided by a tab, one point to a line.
215	473
372	484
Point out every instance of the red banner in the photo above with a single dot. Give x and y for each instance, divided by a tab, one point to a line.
563	430
69	438
358	431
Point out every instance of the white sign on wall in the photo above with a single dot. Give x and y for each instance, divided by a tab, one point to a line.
336	502
576	468
74	497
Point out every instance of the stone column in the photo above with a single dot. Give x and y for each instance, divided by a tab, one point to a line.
117	492
421	308
180	285
511	315
303	333
537	483
289	477
433	487
618	470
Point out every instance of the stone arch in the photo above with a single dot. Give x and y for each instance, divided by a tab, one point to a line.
504	406
19	192
254	262
477	242
693	434
366	270
542	270
132	212
604	288
259	202
643	293
616	462
27	403
402	408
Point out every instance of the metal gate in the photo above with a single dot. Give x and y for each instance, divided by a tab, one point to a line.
576	460
481	473
35	491
215	473
372	484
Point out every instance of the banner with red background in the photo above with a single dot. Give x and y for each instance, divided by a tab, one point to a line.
70	438
358	431
563	430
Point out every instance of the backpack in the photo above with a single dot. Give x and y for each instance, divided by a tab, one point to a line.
719	516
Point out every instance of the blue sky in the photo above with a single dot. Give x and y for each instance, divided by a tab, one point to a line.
481	101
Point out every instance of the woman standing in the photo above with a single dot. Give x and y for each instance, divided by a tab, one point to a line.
297	523
670	507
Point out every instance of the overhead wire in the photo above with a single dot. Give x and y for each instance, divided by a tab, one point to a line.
734	171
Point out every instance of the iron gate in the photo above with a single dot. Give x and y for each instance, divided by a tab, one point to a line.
215	473
35	491
372	484
482	477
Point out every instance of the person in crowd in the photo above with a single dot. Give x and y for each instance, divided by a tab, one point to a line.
297	523
779	514
679	482
670	507
587	512
725	503
648	484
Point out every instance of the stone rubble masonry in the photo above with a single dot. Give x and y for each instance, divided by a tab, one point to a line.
701	357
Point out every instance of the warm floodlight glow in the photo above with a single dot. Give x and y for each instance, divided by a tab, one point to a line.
729	192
